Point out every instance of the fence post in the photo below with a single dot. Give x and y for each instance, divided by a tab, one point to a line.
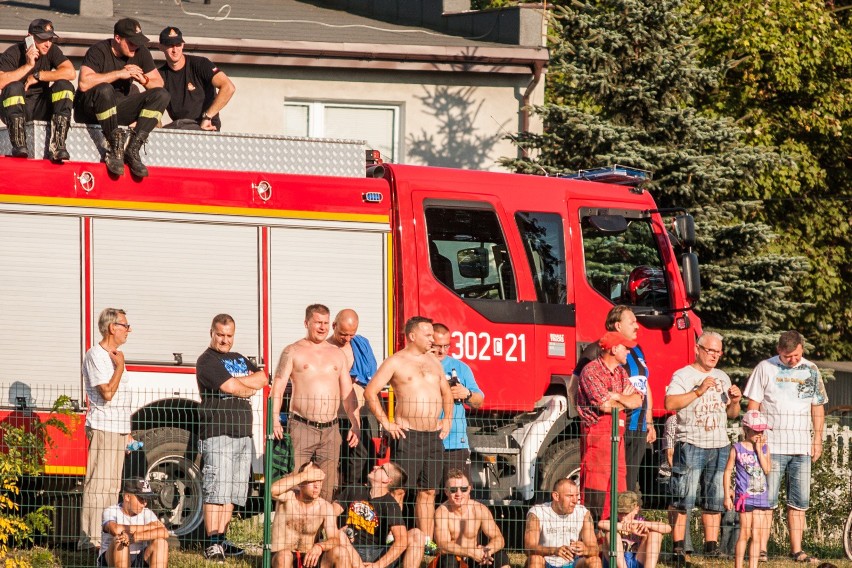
613	490
267	488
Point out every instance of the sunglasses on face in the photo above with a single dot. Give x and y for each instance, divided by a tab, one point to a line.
463	489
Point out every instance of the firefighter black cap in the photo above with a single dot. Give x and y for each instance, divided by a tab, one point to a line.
129	29
171	36
42	29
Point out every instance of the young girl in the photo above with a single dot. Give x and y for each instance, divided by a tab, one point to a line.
639	541
750	496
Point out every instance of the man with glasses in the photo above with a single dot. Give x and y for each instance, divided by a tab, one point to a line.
789	390
465	391
459	522
107	423
561	532
704	400
133	536
107	95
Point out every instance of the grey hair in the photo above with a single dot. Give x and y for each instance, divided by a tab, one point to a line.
712	335
108	317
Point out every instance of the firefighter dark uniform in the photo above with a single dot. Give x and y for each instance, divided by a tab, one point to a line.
117	103
41	101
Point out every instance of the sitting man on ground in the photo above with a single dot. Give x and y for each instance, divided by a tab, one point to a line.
561	532
458	524
374	512
299	515
639	541
132	533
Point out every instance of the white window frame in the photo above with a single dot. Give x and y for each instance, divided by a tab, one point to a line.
316	119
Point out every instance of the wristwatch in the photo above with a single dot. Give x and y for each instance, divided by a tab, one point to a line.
37	75
206	116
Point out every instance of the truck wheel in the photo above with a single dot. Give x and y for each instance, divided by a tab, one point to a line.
174	472
561	460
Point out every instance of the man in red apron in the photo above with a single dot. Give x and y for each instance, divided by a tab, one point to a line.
603	386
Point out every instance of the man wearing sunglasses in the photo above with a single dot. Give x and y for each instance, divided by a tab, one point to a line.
132	534
459	521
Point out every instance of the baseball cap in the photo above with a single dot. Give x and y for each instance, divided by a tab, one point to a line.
756	421
612	338
139	487
129	29
171	36
42	29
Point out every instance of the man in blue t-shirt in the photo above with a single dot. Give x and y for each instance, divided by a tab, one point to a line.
465	391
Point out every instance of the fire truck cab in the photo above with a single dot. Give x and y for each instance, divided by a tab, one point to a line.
522	269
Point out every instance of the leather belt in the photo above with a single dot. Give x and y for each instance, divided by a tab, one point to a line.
314	424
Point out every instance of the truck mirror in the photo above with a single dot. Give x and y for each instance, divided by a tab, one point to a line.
685	229
473	262
691	277
612	224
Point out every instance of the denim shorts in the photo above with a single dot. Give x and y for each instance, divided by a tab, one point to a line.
226	469
798	469
694	466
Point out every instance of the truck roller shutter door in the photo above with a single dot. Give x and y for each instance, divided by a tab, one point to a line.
40	307
341	269
172	278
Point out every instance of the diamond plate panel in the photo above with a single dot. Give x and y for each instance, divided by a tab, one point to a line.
213	150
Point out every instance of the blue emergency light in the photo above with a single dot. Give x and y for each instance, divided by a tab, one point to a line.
617	175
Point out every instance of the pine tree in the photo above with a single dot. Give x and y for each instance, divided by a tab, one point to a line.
624	86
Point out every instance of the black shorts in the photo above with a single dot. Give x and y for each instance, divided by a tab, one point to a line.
421	454
452	561
456	459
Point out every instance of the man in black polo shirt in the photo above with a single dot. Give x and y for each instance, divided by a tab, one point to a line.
26	74
198	89
226	382
106	94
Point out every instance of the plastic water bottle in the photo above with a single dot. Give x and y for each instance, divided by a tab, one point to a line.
135	445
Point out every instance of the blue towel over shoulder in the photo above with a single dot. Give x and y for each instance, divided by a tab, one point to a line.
364	366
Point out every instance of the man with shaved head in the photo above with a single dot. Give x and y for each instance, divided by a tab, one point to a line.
361	363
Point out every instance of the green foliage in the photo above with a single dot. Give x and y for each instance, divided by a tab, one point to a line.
24	447
788	83
626	85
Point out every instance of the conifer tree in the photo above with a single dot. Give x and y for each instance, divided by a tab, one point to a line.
624	86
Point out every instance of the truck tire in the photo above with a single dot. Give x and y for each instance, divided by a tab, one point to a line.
174	472
561	460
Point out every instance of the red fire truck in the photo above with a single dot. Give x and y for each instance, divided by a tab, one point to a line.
523	270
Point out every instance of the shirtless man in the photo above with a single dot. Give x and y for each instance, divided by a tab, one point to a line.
361	366
421	393
321	381
458	522
299	514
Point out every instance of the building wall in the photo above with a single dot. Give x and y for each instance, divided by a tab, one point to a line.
453	120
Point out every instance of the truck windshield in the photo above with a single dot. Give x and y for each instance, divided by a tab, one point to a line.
545	248
626	268
468	253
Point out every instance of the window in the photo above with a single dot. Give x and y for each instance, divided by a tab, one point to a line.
625	266
377	124
545	248
468	253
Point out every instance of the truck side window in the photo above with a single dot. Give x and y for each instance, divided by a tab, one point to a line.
545	247
626	268
468	253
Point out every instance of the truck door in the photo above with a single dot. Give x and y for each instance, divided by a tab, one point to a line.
632	265
467	278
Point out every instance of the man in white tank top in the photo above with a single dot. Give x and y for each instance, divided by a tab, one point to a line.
561	533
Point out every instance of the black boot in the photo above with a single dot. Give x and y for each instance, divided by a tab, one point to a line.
114	158
131	155
58	133
18	137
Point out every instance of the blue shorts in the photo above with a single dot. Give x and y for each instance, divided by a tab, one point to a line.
693	466
226	469
798	469
136	560
630	559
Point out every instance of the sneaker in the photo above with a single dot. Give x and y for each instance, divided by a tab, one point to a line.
232	549
711	549
215	553
430	549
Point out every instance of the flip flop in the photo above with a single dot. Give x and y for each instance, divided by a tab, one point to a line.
802	558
